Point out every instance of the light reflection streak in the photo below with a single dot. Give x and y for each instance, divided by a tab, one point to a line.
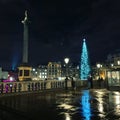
100	102
117	98
67	109
67	116
65	106
117	102
85	100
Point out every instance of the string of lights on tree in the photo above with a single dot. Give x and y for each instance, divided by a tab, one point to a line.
84	64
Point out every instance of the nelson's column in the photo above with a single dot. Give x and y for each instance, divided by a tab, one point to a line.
24	70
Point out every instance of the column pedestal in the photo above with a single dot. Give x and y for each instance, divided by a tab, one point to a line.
24	73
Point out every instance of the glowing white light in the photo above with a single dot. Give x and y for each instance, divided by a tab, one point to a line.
78	67
99	65
59	78
84	40
112	65
11	78
66	60
33	69
118	62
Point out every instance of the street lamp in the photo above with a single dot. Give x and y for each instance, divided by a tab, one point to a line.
99	66
66	60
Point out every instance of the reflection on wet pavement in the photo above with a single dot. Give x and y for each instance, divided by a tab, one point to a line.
93	104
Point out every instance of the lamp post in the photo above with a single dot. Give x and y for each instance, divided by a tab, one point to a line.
66	60
99	66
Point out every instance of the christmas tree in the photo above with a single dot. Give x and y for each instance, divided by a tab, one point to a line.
84	64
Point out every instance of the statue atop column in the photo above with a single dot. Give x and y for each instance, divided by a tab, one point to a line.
25	18
25	38
24	73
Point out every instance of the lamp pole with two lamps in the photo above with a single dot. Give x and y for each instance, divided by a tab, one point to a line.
66	60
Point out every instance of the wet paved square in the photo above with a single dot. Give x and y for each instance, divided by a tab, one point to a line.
93	104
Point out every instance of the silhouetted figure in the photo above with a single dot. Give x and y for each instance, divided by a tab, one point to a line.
90	81
6	88
19	87
66	80
100	82
45	82
15	86
73	83
32	86
1	88
38	86
29	87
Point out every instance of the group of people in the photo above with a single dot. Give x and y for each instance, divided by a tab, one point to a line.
90	82
73	85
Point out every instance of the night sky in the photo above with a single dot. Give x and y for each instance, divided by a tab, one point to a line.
57	28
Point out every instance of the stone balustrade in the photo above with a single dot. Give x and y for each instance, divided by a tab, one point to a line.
11	87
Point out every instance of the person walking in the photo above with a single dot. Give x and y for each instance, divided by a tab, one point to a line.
66	80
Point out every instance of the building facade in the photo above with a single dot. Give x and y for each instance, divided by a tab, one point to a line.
3	74
39	73
54	70
113	71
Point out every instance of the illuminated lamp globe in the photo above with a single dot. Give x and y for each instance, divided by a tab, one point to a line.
66	60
